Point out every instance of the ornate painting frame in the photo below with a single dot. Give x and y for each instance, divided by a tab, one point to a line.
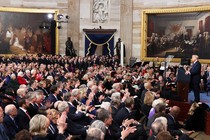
28	31
179	32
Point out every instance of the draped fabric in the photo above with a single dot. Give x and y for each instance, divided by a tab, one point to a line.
92	41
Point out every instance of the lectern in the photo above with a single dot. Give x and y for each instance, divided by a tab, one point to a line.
183	82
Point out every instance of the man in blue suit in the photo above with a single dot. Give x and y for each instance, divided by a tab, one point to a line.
195	75
3	135
11	127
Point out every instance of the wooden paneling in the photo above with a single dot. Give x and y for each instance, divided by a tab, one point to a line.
184	106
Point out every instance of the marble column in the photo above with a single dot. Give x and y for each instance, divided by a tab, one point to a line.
126	26
73	29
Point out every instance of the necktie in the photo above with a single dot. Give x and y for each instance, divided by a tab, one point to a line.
28	115
15	123
52	129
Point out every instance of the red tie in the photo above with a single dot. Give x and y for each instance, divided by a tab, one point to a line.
28	115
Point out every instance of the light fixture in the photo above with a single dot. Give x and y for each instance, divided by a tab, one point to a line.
50	16
60	16
59	25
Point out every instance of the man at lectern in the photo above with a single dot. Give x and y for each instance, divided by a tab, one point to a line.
195	77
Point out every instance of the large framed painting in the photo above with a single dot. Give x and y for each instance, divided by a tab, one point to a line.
178	32
28	31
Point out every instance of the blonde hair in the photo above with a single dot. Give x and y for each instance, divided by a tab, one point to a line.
193	107
55	114
38	125
149	98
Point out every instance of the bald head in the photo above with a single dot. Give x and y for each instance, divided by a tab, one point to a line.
175	110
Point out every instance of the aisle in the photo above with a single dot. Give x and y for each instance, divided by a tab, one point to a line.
203	97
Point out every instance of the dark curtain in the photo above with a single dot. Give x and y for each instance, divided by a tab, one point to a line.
92	41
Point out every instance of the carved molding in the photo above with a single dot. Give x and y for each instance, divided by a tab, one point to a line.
100	11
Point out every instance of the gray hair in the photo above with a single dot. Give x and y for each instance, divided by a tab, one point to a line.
75	92
9	108
21	91
30	95
94	134
102	114
62	106
105	105
99	124
38	125
163	120
115	95
38	93
157	126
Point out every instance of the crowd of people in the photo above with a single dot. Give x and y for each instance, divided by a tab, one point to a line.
47	97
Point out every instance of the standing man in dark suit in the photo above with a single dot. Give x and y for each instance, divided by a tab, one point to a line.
23	116
3	135
10	124
195	75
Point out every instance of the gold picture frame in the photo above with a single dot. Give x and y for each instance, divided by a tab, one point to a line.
28	31
179	32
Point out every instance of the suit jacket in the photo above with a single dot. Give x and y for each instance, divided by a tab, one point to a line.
196	72
114	111
52	98
75	129
73	115
143	95
10	126
52	131
3	135
22	120
58	137
173	126
32	109
113	132
121	115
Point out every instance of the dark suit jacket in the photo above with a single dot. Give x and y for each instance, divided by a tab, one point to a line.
32	109
114	132
58	137
196	72
52	98
143	95
52	131
3	135
73	115
10	127
121	115
114	111
173	126
22	120
75	129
